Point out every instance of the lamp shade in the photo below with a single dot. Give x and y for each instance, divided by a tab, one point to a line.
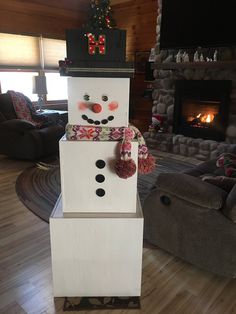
39	85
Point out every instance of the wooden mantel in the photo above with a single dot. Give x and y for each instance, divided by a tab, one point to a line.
195	65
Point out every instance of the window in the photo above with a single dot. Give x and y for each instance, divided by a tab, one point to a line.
56	86
19	54
19	82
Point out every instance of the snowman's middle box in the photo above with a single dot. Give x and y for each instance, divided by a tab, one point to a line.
89	182
111	95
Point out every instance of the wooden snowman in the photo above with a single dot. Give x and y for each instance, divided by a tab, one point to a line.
97	225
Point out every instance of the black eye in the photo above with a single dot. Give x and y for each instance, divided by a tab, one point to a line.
104	98
86	97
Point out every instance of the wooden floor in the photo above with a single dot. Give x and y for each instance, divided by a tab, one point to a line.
168	284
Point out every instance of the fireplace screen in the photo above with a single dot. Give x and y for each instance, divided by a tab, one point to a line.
201	108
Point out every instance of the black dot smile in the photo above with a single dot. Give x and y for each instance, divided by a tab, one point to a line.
97	122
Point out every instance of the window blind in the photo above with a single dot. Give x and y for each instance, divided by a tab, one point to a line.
53	50
19	51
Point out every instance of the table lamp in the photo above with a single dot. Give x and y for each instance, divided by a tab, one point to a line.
40	88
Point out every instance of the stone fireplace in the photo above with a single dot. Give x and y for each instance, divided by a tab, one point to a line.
201	108
186	130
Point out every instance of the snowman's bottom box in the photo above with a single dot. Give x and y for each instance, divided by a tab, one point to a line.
96	254
88	180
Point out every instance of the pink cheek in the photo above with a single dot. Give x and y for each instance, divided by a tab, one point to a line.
113	106
82	105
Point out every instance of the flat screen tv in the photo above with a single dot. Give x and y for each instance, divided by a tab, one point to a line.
198	23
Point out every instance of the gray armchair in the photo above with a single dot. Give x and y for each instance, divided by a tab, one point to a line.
193	219
22	139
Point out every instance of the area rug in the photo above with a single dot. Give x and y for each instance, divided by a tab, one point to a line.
38	187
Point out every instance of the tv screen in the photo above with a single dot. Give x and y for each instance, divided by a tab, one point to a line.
197	23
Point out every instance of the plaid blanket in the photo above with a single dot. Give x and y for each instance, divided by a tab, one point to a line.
21	108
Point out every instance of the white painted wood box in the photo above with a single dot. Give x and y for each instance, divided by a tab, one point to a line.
102	91
96	254
88	180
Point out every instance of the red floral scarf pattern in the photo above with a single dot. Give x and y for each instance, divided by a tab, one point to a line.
124	135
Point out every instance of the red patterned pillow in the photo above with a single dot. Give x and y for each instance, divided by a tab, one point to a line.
228	163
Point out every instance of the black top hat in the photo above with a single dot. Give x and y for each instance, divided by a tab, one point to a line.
96	53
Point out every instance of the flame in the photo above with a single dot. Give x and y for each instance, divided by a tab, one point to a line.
203	118
207	118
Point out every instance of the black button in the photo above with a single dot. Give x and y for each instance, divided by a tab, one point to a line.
84	117
110	118
100	178
104	98
100	192
105	121
86	97
100	163
90	121
97	122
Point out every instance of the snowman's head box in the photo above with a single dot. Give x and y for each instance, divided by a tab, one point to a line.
98	101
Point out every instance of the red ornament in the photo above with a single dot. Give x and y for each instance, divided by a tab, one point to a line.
96	45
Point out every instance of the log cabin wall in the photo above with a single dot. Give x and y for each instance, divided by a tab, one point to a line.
47	17
139	18
51	17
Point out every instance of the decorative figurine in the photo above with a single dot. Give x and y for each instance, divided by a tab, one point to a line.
185	57
196	57
178	57
215	56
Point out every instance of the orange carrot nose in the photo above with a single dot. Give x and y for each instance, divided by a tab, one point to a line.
96	108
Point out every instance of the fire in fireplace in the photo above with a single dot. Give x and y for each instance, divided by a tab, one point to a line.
200	114
201	108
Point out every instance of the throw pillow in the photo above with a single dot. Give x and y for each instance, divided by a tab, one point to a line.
227	161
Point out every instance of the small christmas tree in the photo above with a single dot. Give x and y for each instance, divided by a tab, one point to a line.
100	15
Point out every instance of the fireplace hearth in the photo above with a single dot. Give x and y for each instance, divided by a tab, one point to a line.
201	108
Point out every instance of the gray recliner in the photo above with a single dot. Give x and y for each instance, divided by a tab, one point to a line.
194	220
22	139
